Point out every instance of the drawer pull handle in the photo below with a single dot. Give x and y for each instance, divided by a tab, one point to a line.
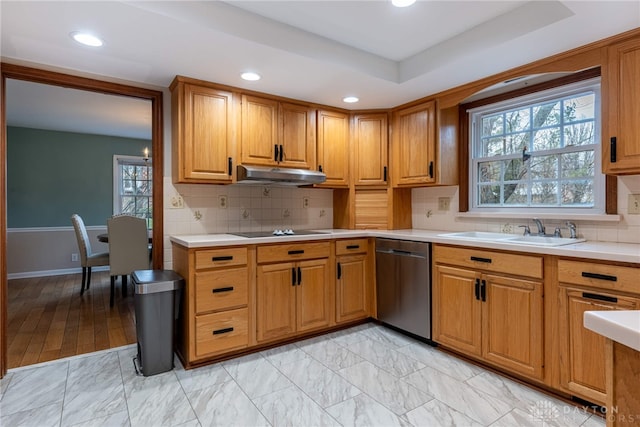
475	258
599	276
296	252
477	289
353	246
218	290
222	331
599	297
339	271
483	291
222	258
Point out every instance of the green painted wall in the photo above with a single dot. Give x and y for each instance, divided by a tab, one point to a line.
52	175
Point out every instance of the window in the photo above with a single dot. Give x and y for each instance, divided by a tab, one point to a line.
538	153
132	183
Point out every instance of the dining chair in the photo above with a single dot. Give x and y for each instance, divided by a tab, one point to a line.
88	259
128	249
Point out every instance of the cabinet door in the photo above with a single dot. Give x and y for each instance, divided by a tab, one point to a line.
298	136
333	147
456	311
512	315
582	352
351	288
414	143
276	300
370	138
205	142
259	130
312	294
621	92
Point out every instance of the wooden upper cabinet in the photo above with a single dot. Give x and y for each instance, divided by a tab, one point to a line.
204	133
621	109
370	132
333	147
298	130
414	145
275	133
259	130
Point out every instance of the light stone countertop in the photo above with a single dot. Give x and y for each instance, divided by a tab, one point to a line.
605	251
622	326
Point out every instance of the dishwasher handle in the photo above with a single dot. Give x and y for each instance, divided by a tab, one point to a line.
400	252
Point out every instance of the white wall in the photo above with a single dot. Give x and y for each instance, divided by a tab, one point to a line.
34	252
425	200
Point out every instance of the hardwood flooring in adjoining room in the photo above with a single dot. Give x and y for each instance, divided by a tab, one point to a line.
47	318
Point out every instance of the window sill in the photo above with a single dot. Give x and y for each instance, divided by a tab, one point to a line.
560	216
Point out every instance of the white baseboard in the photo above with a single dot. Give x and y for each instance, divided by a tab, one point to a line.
60	272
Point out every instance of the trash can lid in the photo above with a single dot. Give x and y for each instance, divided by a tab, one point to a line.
152	281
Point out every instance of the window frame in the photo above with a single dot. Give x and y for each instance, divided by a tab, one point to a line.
538	94
118	161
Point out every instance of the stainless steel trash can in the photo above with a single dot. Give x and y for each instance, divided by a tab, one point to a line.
157	301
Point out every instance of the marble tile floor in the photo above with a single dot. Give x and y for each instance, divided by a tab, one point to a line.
368	375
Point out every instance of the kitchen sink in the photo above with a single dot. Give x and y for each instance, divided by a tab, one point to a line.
512	238
478	235
545	240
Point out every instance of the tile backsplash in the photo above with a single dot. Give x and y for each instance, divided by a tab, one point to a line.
427	216
228	208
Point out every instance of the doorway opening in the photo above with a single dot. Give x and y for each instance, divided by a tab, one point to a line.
10	71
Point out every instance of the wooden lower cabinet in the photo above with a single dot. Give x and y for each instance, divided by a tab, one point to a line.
456	312
512	320
584	285
276	300
222	332
291	298
215	315
496	318
583	352
351	288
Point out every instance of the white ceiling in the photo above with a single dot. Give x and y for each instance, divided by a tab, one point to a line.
318	51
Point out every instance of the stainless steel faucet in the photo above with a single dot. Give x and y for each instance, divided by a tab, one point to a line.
572	230
541	230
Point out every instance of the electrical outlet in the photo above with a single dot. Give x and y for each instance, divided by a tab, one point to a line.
266	192
443	203
177	202
305	202
223	202
286	213
634	204
507	228
74	258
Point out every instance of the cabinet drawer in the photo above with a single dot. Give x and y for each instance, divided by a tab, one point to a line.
221	289
293	252
602	276
480	259
351	246
211	258
219	332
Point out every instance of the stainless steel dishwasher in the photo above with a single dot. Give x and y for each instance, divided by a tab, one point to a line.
404	285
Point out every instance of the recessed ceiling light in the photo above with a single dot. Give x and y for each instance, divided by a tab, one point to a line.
350	99
86	39
252	77
402	3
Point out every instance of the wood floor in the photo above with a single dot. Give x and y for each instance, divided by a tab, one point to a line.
48	319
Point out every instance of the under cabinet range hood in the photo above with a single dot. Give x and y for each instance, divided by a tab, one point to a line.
260	175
